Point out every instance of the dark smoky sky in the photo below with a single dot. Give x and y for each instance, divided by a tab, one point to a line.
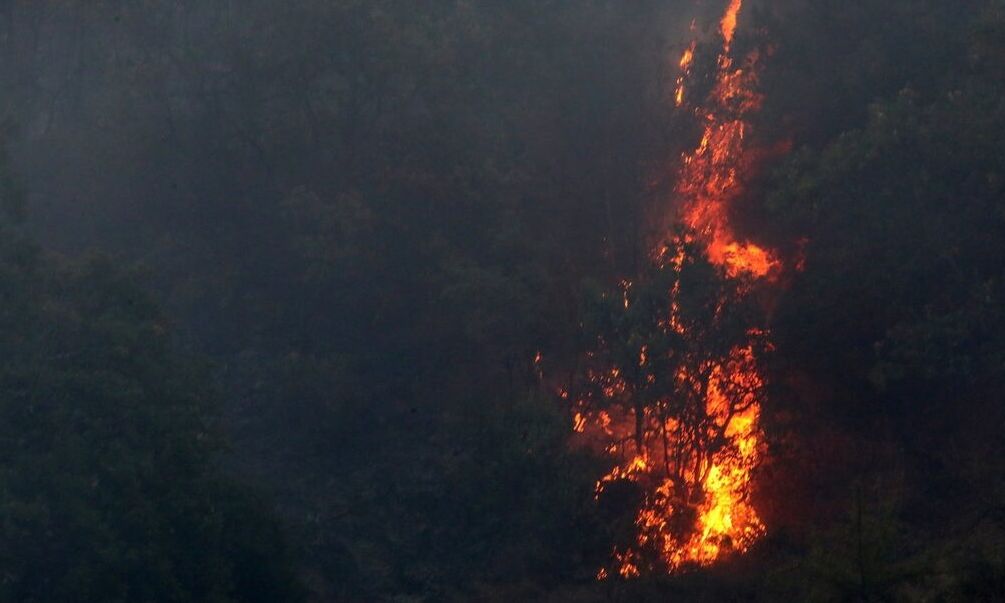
132	114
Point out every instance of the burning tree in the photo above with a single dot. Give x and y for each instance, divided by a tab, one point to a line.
669	388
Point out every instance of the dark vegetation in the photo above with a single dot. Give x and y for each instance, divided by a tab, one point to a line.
273	276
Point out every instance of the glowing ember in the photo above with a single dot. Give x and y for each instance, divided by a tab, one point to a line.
678	411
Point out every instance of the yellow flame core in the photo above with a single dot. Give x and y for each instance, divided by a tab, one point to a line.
709	489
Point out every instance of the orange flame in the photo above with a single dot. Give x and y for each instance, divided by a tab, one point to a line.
714	486
685	69
729	20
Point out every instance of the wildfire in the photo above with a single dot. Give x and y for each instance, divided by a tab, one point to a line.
685	70
695	469
708	183
690	446
729	22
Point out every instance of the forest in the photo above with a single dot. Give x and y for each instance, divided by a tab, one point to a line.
482	300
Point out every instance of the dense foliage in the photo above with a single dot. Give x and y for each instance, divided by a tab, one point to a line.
369	216
108	487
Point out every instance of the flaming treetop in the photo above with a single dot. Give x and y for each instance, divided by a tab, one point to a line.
672	390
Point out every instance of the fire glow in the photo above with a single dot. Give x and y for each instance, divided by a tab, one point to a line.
692	460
